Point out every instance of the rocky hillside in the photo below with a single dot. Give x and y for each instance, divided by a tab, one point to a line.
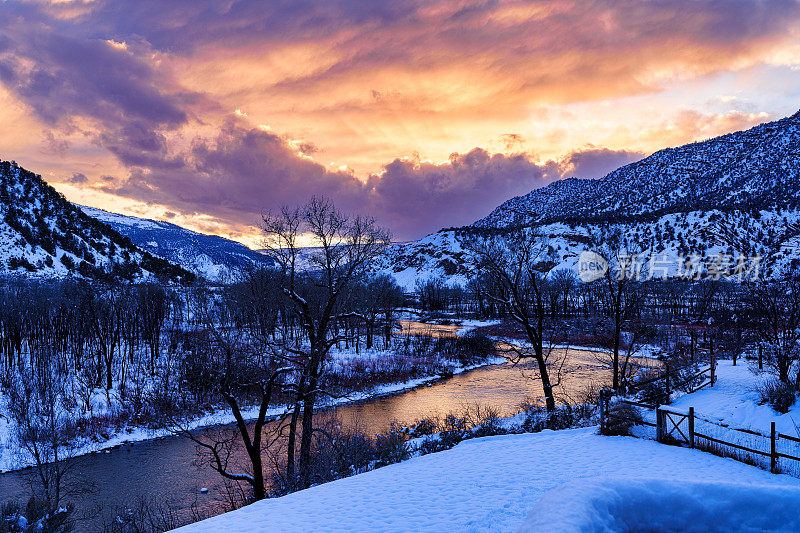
738	194
214	258
42	234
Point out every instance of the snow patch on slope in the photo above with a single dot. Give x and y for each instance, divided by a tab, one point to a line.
210	256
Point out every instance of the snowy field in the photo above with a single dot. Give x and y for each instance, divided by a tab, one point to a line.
734	399
734	404
503	483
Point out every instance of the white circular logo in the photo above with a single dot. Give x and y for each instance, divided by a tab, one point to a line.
591	266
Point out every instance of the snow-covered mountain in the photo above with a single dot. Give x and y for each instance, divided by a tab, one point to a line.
738	194
209	256
42	234
754	169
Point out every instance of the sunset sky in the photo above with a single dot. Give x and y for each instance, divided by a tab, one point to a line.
422	114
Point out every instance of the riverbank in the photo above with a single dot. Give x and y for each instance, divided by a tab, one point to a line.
492	484
12	458
166	473
568	480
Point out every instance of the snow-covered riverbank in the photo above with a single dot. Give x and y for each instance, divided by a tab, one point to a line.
13	458
571	480
109	437
492	484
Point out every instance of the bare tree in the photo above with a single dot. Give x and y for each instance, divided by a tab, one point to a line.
515	269
102	306
242	376
377	299
153	306
622	295
44	426
563	285
317	283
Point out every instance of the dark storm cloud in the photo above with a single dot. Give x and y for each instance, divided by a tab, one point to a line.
246	171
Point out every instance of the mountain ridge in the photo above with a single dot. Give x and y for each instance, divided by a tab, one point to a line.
210	256
43	234
751	168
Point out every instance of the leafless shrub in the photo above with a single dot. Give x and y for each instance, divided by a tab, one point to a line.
621	419
779	395
150	516
44	429
339	452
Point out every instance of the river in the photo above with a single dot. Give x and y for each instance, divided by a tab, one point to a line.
167	470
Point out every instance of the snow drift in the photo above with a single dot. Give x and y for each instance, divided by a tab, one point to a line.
622	505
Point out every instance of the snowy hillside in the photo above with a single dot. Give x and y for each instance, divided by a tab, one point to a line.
212	257
670	239
738	194
42	234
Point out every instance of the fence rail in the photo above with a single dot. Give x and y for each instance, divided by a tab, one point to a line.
680	428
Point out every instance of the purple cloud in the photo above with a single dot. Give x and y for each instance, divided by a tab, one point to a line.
78	179
416	197
246	171
236	176
61	77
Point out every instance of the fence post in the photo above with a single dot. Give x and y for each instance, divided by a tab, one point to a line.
691	427
659	425
605	397
601	405
760	356
713	369
773	452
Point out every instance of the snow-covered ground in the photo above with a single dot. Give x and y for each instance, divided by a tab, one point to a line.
734	400
494	483
734	404
572	480
624	504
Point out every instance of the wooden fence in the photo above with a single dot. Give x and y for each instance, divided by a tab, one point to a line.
671	379
778	452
